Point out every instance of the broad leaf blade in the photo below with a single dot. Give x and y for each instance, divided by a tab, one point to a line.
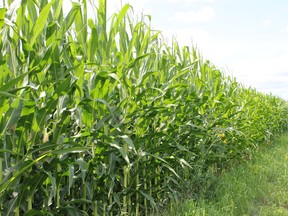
40	23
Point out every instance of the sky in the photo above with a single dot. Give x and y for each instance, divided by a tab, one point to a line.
244	38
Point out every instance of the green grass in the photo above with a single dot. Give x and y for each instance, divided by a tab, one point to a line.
256	187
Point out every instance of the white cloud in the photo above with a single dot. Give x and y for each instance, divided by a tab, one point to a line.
265	74
267	22
204	14
285	29
220	54
187	36
195	37
192	1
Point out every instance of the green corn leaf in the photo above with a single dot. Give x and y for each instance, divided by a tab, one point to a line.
71	175
135	61
29	187
32	11
24	166
82	165
148	197
116	25
70	150
14	115
122	151
33	212
6	94
129	141
184	162
12	152
53	183
40	23
93	41
11	84
12	206
80	22
58	9
2	16
69	19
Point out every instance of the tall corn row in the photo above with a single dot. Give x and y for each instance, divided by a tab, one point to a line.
104	118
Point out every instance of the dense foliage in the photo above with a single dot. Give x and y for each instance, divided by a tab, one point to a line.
102	117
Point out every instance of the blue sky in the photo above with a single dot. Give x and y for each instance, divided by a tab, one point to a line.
245	38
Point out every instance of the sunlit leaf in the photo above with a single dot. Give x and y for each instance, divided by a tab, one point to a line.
40	22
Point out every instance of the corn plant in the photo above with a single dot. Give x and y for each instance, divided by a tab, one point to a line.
100	116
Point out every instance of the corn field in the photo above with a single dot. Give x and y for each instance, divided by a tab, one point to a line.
101	116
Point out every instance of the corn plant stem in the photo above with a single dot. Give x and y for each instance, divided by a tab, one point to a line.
137	191
145	189
1	179
104	207
95	209
126	201
1	170
111	202
46	201
16	211
5	146
84	195
29	202
125	187
129	197
158	180
150	187
84	188
58	188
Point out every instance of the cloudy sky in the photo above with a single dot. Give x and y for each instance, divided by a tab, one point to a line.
246	38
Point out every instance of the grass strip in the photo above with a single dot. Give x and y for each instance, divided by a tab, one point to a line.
254	187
